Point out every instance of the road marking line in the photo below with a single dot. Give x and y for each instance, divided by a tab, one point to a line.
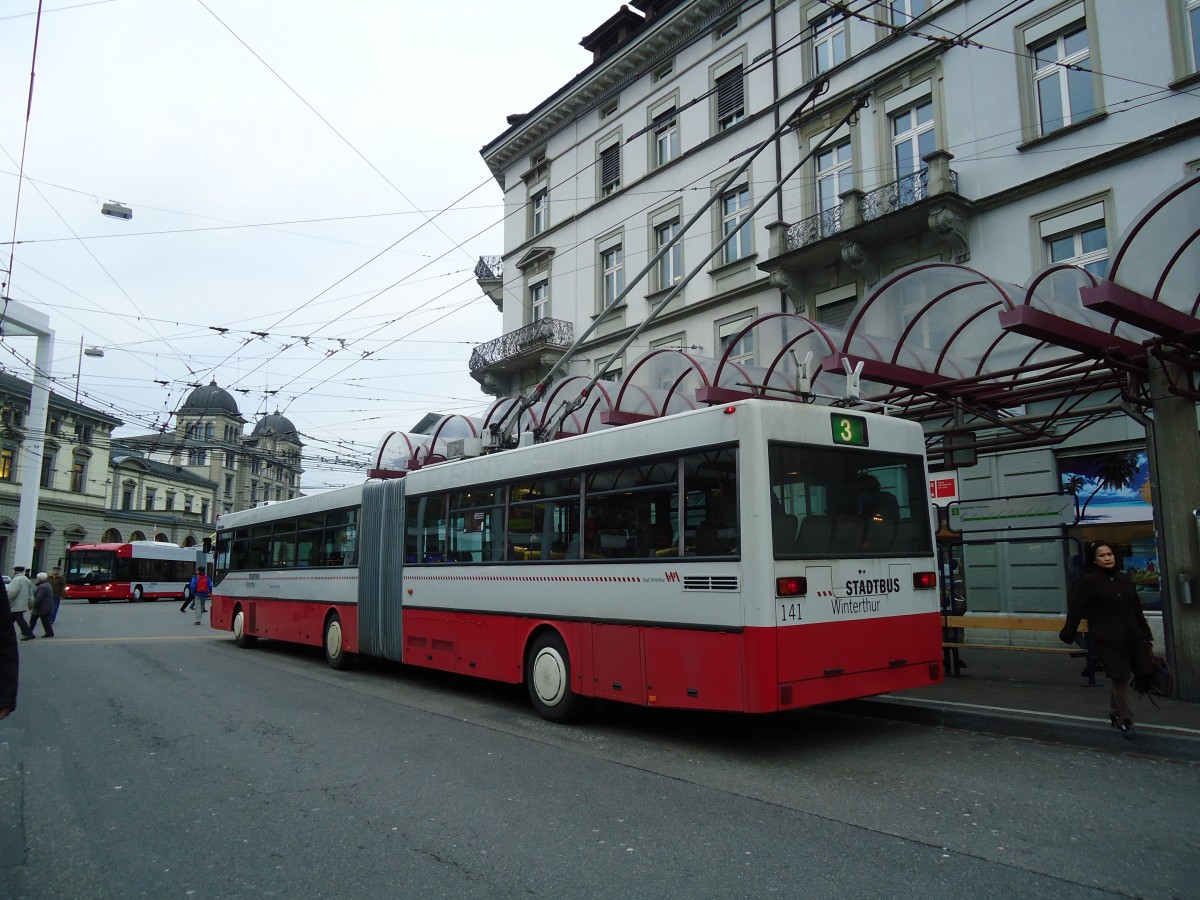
160	637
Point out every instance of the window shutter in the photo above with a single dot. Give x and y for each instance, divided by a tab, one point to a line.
610	166
730	91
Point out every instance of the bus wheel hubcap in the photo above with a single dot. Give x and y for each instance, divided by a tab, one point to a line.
549	676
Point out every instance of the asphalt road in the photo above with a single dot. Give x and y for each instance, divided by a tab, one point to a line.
152	758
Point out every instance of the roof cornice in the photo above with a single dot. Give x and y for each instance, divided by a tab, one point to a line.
660	39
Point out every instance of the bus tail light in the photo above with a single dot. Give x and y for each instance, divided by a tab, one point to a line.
791	587
924	581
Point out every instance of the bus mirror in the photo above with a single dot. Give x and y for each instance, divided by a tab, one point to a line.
207	543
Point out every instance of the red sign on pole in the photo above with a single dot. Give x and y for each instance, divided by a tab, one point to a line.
943	488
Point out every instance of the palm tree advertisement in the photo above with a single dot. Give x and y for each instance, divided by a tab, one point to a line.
1110	487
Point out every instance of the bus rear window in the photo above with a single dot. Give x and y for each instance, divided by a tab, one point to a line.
840	502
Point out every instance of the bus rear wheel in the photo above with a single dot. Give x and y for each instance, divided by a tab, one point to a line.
243	640
548	678
334	643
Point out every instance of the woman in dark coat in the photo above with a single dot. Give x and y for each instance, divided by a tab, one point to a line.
1121	637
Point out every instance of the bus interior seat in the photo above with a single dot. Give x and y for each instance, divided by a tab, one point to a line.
814	535
878	534
612	543
708	539
847	534
908	538
783	531
652	539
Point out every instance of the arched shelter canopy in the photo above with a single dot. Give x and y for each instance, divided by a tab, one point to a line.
588	416
528	419
398	452
784	342
931	324
662	382
455	426
950	342
1154	279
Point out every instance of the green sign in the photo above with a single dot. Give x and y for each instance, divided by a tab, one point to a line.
849	430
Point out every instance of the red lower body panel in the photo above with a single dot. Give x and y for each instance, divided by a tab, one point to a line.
755	670
285	620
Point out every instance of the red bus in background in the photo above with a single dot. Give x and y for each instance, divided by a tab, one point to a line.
136	570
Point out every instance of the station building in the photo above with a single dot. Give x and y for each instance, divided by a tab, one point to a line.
943	162
94	487
209	441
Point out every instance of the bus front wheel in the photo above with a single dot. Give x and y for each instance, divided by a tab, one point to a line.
240	637
137	594
335	646
548	677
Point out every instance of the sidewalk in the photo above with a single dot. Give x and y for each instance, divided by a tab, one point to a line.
1040	696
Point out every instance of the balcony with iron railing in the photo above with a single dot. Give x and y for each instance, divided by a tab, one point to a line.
528	349
923	205
489	274
859	207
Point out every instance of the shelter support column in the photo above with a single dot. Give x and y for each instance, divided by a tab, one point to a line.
1176	469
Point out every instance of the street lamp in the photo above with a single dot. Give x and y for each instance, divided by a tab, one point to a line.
90	351
116	210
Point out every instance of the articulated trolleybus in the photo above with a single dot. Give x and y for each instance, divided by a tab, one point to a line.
755	557
137	570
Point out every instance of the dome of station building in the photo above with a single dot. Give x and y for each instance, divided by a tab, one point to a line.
276	424
209	399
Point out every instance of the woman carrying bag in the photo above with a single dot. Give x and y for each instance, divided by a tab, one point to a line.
1107	598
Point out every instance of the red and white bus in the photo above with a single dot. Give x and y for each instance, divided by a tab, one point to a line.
137	570
756	557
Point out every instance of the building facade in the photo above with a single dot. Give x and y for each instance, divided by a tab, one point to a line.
92	487
154	501
73	477
1007	138
209	443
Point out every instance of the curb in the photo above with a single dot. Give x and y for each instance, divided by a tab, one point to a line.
1167	742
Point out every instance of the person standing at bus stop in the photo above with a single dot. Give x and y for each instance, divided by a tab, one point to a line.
1107	598
20	595
201	590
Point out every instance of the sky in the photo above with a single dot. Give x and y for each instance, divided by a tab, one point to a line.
285	161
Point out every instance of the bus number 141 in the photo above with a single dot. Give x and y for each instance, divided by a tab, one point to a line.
789	612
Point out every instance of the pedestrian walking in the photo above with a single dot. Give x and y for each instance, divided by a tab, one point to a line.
201	590
1121	636
59	583
9	659
20	596
43	606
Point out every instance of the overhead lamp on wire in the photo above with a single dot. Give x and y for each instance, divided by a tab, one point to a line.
116	210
